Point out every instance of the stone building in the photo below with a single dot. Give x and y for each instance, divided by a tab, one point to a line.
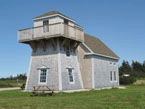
66	57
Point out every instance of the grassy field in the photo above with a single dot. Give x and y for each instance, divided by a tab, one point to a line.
131	98
10	83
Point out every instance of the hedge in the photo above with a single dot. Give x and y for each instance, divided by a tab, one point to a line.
127	80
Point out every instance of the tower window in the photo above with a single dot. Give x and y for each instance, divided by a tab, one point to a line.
65	21
67	51
45	26
43	76
71	79
45	22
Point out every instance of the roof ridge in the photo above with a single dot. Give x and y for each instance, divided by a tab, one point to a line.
53	12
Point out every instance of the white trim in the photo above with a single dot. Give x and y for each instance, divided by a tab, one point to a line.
93	81
78	26
42	67
59	65
34	19
72	75
28	74
92	53
101	55
117	74
69	67
110	76
114	76
42	83
87	47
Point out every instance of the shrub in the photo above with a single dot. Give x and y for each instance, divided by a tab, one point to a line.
23	86
127	80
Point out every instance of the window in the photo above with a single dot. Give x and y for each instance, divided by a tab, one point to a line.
65	21
45	22
70	75
110	75
67	51
114	76
43	76
45	26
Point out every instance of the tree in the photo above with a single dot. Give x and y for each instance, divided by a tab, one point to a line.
125	68
136	66
143	66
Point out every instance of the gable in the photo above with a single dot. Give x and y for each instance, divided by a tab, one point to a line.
97	46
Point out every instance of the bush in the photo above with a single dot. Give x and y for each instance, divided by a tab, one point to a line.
127	80
137	74
23	86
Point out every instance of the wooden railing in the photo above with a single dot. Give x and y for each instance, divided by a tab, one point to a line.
52	30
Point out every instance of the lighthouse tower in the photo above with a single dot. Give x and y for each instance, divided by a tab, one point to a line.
54	40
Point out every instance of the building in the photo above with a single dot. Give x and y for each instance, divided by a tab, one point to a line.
66	57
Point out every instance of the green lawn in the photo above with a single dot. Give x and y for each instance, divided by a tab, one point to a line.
131	98
10	83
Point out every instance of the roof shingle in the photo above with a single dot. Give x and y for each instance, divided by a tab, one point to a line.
97	46
51	13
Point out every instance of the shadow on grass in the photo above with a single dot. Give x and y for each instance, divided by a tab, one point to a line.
41	94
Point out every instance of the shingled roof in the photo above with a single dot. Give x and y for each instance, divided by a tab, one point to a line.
51	13
97	46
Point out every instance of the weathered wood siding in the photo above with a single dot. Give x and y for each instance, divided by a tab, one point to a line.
85	67
102	68
40	58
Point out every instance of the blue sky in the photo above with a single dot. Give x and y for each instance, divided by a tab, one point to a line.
120	24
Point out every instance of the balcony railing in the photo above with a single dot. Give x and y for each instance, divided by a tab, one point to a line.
52	30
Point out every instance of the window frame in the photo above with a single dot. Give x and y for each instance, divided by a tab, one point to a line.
45	26
45	21
40	77
115	76
39	73
111	76
66	21
69	75
68	50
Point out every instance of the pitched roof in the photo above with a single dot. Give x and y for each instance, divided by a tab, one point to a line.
97	46
51	13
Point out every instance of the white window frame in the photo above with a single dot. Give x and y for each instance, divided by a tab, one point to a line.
42	68
45	27
115	76
40	75
72	75
111	75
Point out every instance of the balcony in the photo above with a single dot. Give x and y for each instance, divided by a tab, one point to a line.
50	31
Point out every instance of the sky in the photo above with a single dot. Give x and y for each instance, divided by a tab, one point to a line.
120	24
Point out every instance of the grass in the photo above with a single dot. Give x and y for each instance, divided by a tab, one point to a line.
10	83
131	98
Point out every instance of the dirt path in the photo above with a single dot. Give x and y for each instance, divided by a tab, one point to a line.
14	88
